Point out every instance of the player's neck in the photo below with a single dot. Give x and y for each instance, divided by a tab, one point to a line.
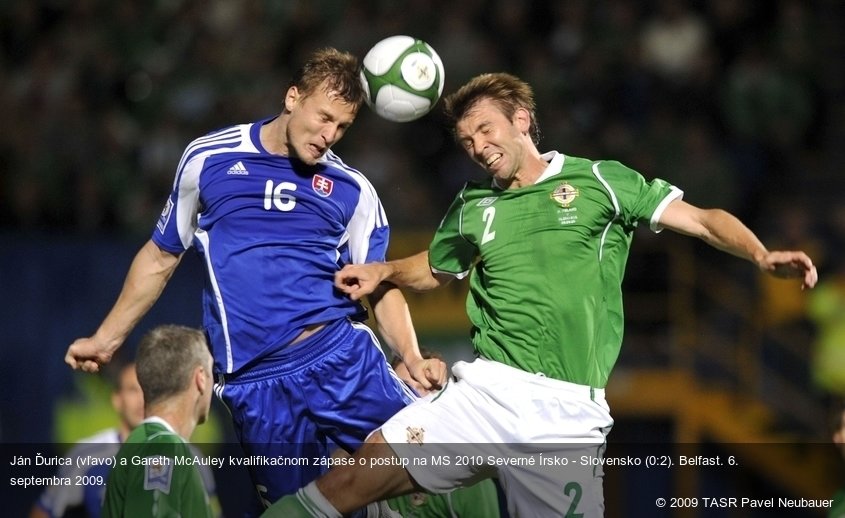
531	168
274	137
528	174
179	416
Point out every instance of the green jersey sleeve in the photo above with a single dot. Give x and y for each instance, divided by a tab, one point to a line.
635	198
450	251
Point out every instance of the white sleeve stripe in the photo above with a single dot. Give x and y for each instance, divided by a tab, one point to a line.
361	227
654	223
234	135
195	147
459	275
461	217
606	185
363	182
188	192
369	212
616	209
218	297
186	183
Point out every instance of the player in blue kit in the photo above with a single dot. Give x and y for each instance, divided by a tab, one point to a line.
274	213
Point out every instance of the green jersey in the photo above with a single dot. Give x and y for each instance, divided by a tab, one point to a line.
837	507
547	264
150	479
476	501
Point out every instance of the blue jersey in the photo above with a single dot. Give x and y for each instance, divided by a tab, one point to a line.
272	232
87	499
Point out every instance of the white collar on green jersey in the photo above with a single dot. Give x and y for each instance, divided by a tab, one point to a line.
162	422
555	161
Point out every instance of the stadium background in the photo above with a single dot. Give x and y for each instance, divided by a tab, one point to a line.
738	103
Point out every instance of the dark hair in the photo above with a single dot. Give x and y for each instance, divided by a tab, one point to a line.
166	359
507	91
340	71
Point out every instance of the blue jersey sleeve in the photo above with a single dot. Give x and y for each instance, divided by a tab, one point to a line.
177	224
369	233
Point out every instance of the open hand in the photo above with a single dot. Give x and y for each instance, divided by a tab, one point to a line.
791	265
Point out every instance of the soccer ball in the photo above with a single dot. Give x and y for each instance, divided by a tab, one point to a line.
403	78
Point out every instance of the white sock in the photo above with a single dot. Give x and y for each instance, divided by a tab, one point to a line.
317	504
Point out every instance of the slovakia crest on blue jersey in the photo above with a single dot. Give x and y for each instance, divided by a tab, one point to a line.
322	185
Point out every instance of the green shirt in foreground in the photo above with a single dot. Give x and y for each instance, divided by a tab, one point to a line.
837	508
476	501
146	480
547	264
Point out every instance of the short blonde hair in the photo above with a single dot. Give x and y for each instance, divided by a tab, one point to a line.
340	71
507	91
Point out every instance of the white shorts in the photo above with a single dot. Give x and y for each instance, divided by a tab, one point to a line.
541	437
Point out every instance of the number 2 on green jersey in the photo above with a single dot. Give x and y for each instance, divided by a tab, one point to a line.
488	215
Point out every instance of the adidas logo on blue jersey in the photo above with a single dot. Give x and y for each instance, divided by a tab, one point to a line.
238	169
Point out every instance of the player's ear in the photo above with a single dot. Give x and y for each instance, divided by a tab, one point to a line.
522	120
292	97
200	379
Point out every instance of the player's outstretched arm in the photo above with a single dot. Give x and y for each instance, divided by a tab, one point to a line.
395	326
151	268
725	232
357	280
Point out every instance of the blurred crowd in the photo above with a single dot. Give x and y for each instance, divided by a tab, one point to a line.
736	102
725	98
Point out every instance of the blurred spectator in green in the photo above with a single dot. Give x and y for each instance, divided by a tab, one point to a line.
826	307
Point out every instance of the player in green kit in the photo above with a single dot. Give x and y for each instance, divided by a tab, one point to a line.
149	479
545	244
548	295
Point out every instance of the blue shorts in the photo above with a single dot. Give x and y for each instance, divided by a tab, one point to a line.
332	389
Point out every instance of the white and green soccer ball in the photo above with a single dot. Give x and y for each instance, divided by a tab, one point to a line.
403	78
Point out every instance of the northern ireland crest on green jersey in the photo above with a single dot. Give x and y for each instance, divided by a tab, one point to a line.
564	194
